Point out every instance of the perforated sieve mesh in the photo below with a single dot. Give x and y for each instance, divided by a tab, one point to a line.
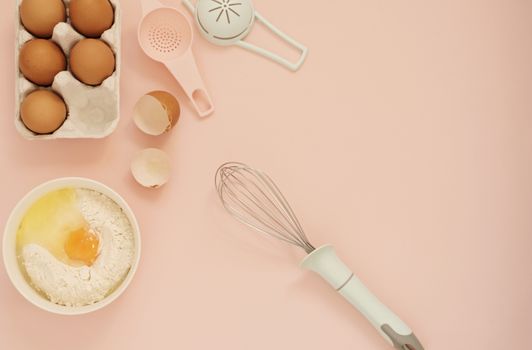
164	38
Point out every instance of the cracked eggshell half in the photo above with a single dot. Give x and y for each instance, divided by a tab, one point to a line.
156	113
151	168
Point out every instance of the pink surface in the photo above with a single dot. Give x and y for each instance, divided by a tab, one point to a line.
405	141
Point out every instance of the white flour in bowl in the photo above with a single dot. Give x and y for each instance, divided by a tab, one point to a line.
79	286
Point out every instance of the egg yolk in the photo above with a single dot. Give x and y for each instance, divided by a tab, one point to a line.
82	245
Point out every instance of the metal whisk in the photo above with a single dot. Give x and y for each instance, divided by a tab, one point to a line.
254	199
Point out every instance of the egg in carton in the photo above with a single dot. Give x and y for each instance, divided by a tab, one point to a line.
92	111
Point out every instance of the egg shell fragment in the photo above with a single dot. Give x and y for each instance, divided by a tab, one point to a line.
171	105
151	168
156	113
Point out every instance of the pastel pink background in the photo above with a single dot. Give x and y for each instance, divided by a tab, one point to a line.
405	140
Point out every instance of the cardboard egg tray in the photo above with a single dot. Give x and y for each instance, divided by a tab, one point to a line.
93	112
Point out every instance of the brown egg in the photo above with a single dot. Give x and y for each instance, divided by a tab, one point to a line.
40	60
43	111
92	61
91	17
39	17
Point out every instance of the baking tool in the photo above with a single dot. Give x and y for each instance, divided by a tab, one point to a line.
165	34
228	22
253	198
9	246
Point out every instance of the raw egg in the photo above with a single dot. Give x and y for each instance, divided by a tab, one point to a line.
92	61
40	60
54	222
82	245
91	17
39	17
43	111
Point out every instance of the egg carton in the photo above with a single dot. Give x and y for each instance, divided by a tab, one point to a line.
93	112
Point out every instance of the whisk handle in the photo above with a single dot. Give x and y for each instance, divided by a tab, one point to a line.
328	265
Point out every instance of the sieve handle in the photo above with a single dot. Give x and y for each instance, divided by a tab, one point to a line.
186	73
293	66
328	265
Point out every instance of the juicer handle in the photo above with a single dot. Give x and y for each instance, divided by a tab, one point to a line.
293	66
328	265
149	5
186	72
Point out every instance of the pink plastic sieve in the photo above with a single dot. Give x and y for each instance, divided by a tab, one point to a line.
165	34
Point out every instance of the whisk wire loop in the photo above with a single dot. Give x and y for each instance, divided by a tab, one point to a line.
254	199
245	209
238	188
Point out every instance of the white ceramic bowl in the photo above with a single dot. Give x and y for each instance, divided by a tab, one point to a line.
10	237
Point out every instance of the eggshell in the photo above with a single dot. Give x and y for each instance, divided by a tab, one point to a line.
39	17
91	17
43	111
41	60
156	113
151	168
170	104
92	61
